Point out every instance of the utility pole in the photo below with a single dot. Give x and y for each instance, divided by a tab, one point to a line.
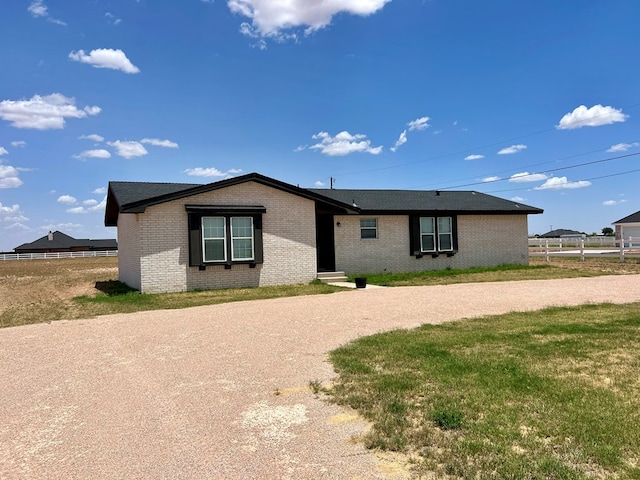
331	180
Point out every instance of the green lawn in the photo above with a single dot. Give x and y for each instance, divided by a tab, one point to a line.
553	394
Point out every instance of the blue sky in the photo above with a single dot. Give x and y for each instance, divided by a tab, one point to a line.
531	101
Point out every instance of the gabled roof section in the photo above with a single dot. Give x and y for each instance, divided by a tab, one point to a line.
135	197
61	240
560	232
404	201
633	218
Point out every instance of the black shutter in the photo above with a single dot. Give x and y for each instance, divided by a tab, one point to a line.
414	235
195	240
258	254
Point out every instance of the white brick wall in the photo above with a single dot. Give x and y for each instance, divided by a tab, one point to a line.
129	250
289	241
483	240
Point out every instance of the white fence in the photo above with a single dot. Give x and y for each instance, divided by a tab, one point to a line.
35	256
582	247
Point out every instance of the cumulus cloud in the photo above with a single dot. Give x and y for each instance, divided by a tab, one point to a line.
9	177
271	19
527	177
37	8
517	199
100	190
89	206
105	58
474	157
19	218
17	226
98	153
43	112
343	144
19	144
67	200
211	172
128	149
610	203
512	149
622	147
561	183
319	184
490	179
112	18
3	151
159	143
591	117
401	141
421	123
9	210
94	137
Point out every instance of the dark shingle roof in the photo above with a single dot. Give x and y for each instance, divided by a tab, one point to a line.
61	241
425	200
560	232
633	218
135	197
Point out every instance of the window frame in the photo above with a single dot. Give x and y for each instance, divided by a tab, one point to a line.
369	228
438	235
205	238
196	238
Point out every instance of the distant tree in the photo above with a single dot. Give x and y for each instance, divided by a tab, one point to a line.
607	231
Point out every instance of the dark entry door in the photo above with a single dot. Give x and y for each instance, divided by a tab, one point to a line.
325	245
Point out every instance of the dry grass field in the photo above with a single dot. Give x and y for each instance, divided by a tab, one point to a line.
33	291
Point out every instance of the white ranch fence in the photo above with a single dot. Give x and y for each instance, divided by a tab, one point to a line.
585	247
36	256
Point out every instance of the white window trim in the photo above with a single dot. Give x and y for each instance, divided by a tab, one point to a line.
232	238
436	235
375	229
224	241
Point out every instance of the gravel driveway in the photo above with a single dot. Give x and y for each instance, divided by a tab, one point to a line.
220	392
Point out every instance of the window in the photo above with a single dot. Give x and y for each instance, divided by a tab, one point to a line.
241	238
225	235
368	228
214	239
433	235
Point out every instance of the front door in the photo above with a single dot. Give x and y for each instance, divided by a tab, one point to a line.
325	245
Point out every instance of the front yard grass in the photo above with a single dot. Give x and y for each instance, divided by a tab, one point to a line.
553	394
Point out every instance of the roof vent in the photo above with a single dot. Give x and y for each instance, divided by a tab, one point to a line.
354	203
50	236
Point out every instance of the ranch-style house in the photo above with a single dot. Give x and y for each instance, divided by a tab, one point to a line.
253	230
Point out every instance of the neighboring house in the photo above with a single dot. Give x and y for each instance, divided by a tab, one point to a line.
563	233
60	242
628	226
253	230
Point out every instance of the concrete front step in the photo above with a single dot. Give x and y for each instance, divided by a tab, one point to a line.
331	277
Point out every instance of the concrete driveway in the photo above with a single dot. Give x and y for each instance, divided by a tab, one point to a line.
220	392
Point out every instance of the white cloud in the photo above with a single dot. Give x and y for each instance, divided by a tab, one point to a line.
105	58
319	184
37	8
43	112
90	206
527	177
3	151
490	179
128	149
474	157
112	18
343	144
159	143
418	124
269	18
98	153
17	226
94	137
591	117
19	218
67	200
517	199
561	183
622	147
6	210
100	190
401	141
299	148
9	177
211	172
19	144
610	203
512	149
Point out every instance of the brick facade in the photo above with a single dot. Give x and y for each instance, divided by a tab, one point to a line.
289	243
483	240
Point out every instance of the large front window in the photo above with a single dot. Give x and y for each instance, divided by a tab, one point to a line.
216	231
